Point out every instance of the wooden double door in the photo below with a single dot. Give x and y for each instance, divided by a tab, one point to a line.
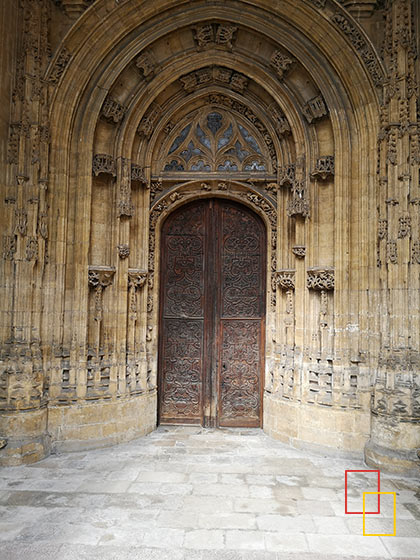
212	311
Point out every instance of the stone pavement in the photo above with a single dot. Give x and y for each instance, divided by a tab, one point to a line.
199	494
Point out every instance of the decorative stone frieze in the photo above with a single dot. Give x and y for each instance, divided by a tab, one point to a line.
214	74
362	46
100	277
112	110
315	109
104	163
324	168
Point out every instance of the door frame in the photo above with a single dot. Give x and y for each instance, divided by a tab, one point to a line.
246	195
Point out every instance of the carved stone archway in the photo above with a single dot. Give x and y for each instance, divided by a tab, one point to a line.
90	130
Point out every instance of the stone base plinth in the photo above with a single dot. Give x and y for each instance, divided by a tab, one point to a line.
314	427
394	445
101	423
24	435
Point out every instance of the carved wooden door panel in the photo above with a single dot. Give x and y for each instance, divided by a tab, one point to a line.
212	315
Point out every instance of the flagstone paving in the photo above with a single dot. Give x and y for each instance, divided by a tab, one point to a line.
188	493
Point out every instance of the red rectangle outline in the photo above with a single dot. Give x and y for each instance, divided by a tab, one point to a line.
345	492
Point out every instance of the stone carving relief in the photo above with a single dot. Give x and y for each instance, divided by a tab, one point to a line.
31	249
104	163
215	35
287	175
214	74
404	229
137	174
324	168
281	123
9	247
285	279
298	204
136	280
146	63
123	250
315	109
100	277
125	206
112	110
281	63
362	46
299	251
415	252
321	280
21	221
148	122
59	66
391	252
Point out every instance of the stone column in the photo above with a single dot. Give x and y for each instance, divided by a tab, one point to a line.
395	431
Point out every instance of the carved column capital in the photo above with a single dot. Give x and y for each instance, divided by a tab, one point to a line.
101	276
320	279
137	278
285	279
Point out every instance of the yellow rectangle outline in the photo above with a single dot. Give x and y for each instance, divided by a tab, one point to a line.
395	516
